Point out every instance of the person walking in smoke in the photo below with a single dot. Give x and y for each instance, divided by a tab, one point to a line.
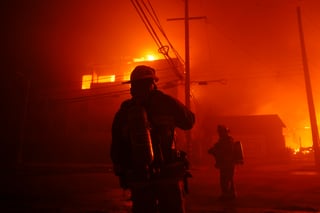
143	147
227	154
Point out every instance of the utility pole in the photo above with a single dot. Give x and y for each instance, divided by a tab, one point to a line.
312	113
187	65
187	71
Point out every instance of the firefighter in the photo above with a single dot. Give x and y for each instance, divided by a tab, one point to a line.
224	151
143	150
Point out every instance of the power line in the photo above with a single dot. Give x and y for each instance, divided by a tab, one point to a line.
146	12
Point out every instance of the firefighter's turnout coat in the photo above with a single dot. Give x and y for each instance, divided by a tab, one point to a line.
163	114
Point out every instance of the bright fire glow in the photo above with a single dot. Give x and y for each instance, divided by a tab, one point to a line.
146	58
126	77
86	81
139	59
151	58
303	150
106	78
96	78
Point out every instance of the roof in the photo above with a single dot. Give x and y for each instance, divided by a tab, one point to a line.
250	122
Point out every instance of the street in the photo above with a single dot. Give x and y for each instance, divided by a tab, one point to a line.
286	187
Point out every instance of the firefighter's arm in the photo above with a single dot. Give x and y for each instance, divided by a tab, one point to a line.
184	117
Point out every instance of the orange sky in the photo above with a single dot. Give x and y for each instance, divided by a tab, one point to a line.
253	44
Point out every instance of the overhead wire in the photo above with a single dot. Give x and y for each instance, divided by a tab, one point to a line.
157	21
146	22
146	11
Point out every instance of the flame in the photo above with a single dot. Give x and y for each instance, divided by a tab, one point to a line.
96	78
303	151
86	81
150	57
106	78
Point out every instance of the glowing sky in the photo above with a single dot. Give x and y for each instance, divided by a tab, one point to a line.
253	44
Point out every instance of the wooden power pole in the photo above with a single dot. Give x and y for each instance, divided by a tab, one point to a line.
312	113
187	65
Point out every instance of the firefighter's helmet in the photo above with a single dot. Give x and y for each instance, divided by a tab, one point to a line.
143	72
222	129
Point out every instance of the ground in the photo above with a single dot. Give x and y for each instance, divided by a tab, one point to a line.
279	187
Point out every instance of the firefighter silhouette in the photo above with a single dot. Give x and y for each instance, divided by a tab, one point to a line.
143	150
227	154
